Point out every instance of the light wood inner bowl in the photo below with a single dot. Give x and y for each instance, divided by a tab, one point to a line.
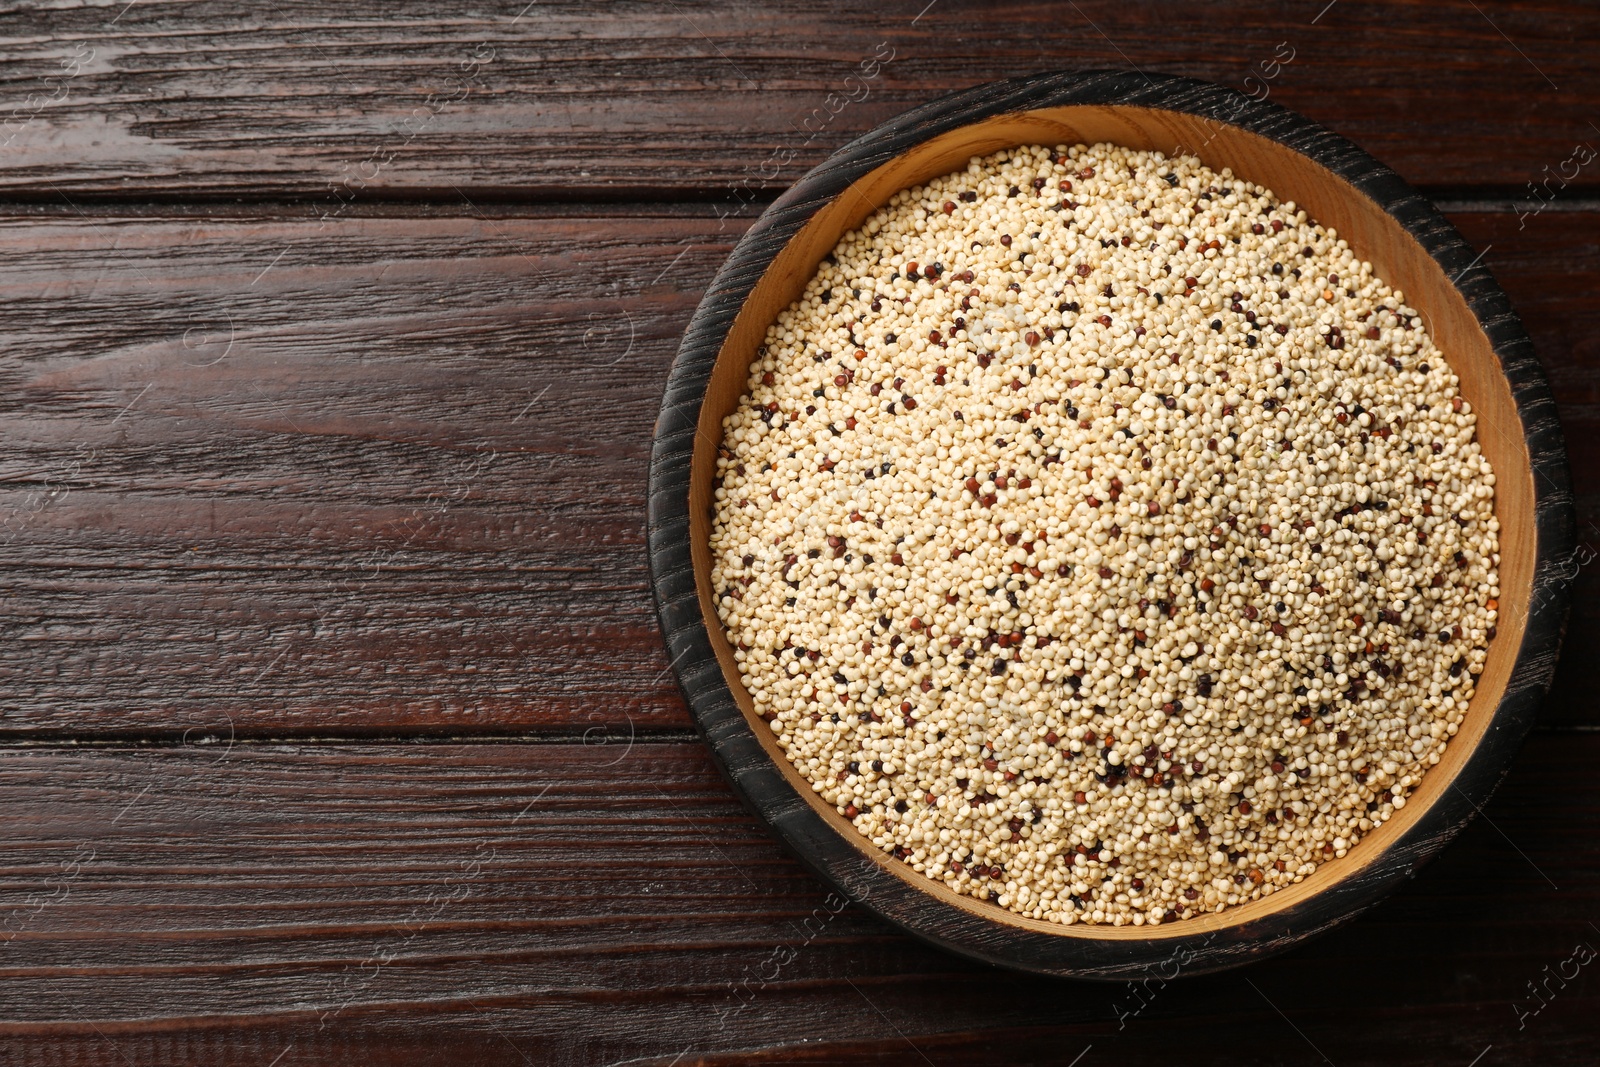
1373	235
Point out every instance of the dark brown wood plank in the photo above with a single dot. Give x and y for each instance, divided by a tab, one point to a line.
566	904
249	485
270	479
513	98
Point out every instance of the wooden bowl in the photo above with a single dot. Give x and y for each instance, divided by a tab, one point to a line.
1410	246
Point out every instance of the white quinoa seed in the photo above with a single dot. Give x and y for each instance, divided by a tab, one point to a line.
1103	539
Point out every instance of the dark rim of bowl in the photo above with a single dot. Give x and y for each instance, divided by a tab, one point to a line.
841	863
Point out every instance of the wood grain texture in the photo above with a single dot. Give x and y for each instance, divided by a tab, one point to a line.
510	98
251	484
260	542
448	904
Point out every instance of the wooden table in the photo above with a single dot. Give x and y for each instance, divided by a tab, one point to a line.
334	720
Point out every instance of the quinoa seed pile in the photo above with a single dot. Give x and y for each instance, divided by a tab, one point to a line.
1103	539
